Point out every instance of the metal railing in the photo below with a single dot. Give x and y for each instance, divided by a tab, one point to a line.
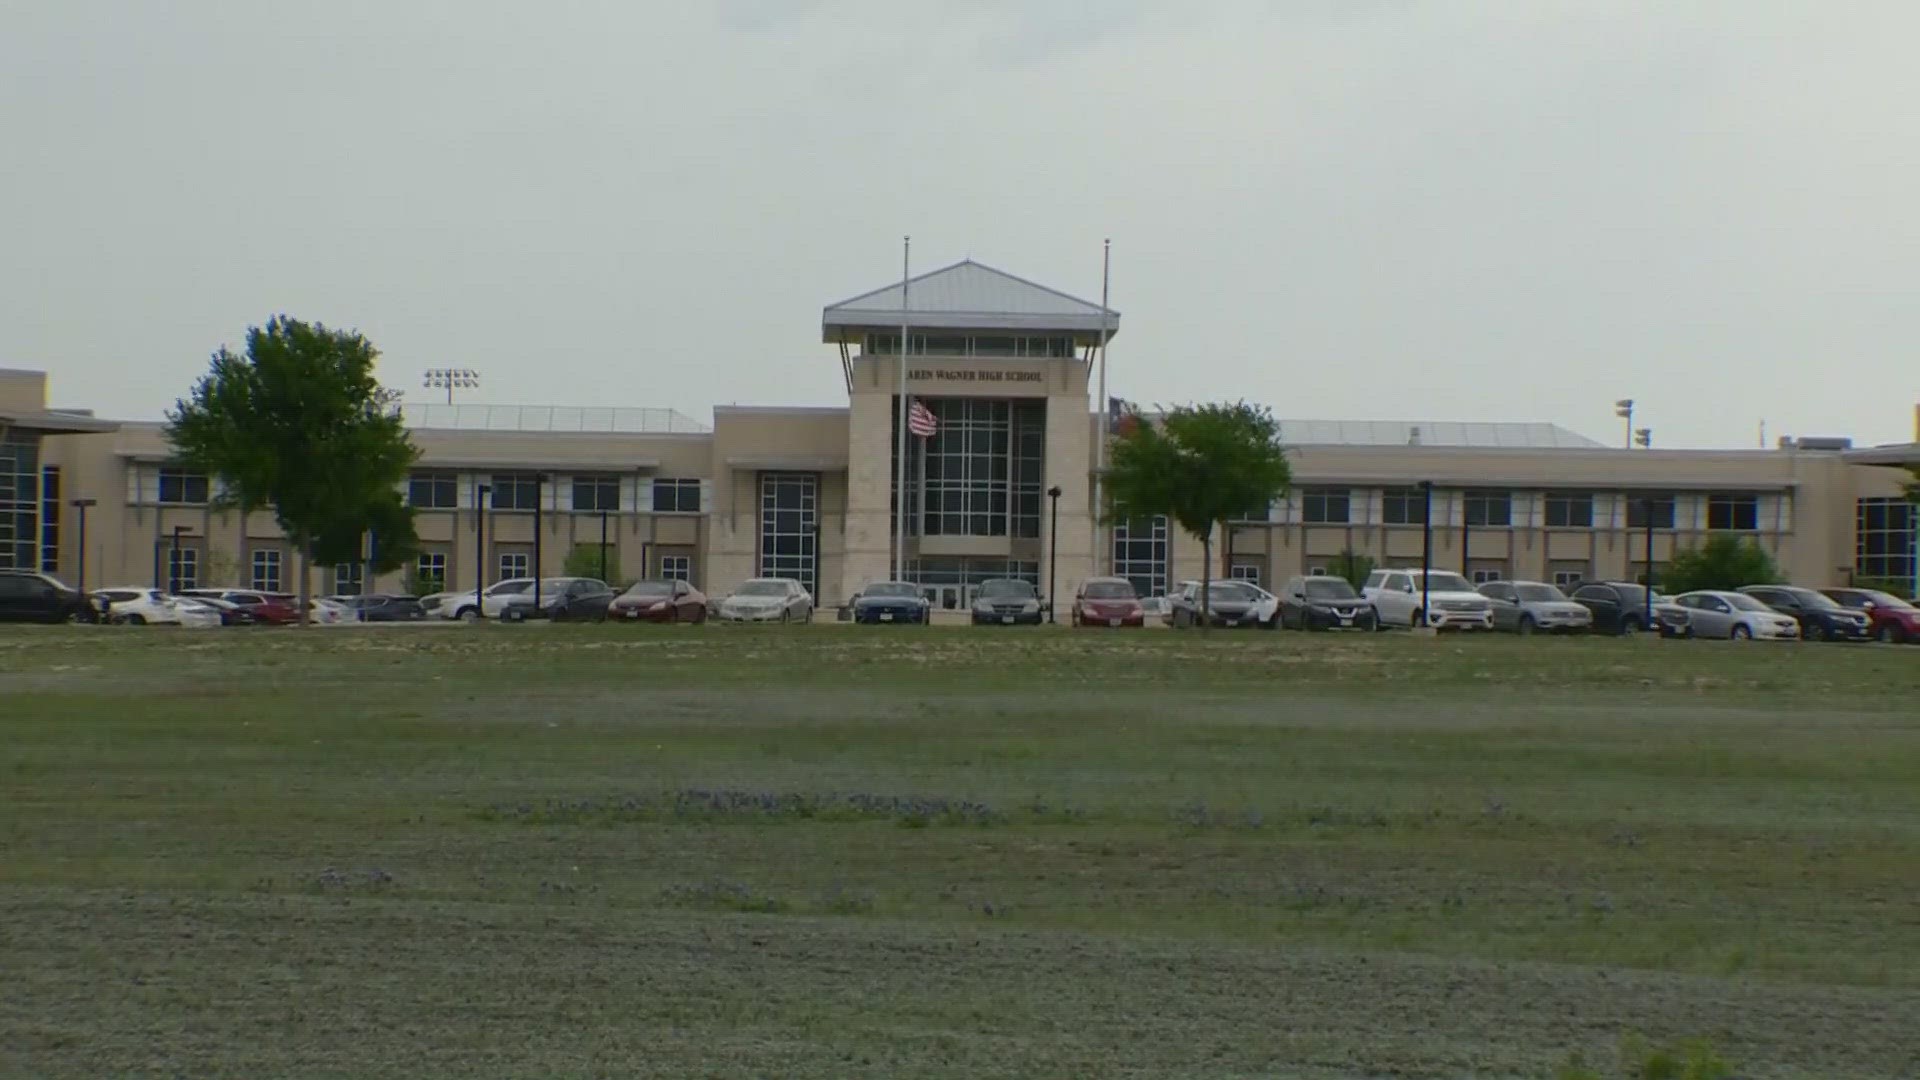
630	421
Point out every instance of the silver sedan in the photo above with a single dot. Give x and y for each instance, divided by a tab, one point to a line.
1735	616
767	600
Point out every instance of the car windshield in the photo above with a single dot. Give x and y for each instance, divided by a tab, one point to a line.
1743	602
1329	588
1440	581
1539	593
508	588
650	588
1109	590
1233	591
1885	600
892	588
1816	601
763	588
1006	589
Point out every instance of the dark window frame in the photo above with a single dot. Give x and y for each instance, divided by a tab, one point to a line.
1403	506
602	490
441	487
1572	509
186	483
1726	511
682	495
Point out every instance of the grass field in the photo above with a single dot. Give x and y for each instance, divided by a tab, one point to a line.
828	852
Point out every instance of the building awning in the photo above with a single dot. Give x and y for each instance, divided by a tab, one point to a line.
54	422
1901	454
789	462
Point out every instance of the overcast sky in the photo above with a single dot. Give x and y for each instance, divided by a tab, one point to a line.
1513	210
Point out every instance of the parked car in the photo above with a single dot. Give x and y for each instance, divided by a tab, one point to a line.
137	605
562	600
1107	601
1396	595
1736	616
891	602
200	612
664	600
1319	602
1230	603
324	612
1526	607
1819	615
1156	607
1007	602
29	597
381	607
493	598
260	608
1621	607
1891	618
766	600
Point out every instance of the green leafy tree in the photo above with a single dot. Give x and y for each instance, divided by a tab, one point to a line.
1725	561
1352	568
584	561
299	425
1199	465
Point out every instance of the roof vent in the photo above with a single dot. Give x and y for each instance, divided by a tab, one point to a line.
1822	442
1413	435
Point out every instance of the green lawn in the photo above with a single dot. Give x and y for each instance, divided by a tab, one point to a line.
835	852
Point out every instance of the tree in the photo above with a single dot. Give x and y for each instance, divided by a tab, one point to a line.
584	561
1352	568
299	425
1199	465
1725	561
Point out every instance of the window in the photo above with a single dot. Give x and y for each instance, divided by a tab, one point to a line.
430	571
265	576
516	491
1884	539
514	564
1249	572
1738	513
980	473
1404	506
182	488
183	568
789	527
676	567
50	519
597	493
1638	507
1567	578
676	496
1489	509
1483	574
19	502
1569	511
1495	591
433	490
1140	554
346	578
1324	506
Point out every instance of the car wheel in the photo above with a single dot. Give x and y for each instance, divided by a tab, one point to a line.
1897	633
1629	626
135	620
1526	625
467	614
1417	620
1740	632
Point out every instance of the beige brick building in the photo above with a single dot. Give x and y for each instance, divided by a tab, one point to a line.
1006	369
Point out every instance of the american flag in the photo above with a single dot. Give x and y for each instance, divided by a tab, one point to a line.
920	421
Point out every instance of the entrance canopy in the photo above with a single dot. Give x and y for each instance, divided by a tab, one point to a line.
966	296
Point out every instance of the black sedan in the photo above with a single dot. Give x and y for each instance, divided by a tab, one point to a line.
383	608
574	600
892	602
1821	618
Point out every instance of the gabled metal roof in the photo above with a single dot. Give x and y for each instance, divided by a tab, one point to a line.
969	296
1528	436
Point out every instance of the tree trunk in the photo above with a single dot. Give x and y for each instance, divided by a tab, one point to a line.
306	587
1206	580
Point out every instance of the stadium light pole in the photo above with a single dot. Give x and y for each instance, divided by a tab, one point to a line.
81	505
1053	552
1624	410
1426	548
450	379
480	551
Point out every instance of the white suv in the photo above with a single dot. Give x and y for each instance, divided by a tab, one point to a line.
1452	601
492	601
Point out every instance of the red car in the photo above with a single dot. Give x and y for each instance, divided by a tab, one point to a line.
659	601
266	610
1894	619
1108	601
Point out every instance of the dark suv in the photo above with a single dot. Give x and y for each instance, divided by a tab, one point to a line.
1620	607
1820	616
29	597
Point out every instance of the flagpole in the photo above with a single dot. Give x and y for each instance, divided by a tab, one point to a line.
900	451
1106	414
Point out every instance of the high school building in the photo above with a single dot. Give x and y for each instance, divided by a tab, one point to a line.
1005	486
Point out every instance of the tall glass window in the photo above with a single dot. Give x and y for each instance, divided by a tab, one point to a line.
1140	554
50	519
19	503
789	527
1884	539
266	570
982	471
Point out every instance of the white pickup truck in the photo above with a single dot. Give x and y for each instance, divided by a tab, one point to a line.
1450	601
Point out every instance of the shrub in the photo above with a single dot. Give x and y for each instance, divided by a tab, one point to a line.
1725	561
584	561
1354	568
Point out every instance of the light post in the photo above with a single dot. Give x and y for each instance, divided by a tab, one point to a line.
539	498
1053	551
1624	410
1426	549
480	552
603	544
81	505
173	561
1643	437
1466	535
450	379
1646	510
